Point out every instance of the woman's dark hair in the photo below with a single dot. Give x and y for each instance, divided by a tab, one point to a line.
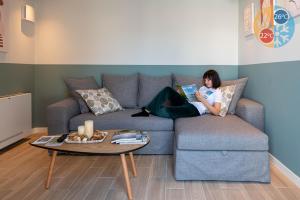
213	76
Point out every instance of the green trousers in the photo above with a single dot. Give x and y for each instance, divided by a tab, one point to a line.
169	104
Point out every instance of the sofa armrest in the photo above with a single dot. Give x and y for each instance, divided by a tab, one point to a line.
59	114
251	111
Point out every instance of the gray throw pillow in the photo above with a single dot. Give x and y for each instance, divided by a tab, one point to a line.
123	87
100	101
186	80
239	89
150	86
83	83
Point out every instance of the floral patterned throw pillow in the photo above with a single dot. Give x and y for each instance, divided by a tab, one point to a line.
100	101
227	94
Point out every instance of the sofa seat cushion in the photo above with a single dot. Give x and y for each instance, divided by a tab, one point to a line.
123	120
212	133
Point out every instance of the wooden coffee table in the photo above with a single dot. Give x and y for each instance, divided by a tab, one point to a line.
104	147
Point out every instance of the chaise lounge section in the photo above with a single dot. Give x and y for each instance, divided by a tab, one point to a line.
214	148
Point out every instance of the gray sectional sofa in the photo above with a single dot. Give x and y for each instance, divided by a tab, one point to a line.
231	148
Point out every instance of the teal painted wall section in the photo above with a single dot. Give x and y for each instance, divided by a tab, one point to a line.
277	87
49	86
16	78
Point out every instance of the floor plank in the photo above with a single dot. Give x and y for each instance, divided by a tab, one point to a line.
170	182
175	194
155	189
159	168
194	190
99	189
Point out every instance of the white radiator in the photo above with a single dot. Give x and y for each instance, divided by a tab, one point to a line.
15	118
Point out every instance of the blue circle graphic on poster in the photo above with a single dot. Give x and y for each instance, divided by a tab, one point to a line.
284	27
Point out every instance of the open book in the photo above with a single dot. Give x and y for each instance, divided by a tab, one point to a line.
188	91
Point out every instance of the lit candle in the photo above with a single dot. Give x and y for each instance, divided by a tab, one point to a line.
81	130
89	128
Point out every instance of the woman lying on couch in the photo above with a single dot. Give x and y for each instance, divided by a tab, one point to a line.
169	103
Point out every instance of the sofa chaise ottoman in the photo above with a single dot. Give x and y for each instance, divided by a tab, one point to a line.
232	148
212	148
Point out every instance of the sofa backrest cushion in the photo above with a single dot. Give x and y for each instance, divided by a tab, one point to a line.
123	87
150	86
239	89
83	83
186	80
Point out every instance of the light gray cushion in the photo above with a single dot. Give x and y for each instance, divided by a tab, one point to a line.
123	87
239	89
211	133
150	86
123	120
100	101
186	80
84	83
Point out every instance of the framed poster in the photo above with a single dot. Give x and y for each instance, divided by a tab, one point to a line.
249	19
3	40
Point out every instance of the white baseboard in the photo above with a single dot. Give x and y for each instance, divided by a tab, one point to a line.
284	170
36	130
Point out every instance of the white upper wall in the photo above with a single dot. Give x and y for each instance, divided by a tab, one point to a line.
137	32
145	32
251	51
20	35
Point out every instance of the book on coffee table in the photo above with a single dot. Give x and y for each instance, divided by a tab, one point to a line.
48	140
43	140
53	142
129	137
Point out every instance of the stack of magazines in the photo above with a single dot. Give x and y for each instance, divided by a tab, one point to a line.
129	137
49	141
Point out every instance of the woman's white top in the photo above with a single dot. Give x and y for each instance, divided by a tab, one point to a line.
211	95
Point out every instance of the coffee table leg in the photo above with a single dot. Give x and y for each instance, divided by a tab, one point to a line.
132	164
51	169
125	170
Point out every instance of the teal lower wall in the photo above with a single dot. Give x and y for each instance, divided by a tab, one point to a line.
277	87
16	78
49	86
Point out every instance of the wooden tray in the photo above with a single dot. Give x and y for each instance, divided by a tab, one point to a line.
104	134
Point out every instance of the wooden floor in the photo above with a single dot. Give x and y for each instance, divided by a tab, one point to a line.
23	170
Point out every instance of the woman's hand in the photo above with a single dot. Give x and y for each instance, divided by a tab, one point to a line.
214	109
199	96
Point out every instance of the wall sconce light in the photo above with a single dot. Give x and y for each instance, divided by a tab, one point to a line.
28	13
